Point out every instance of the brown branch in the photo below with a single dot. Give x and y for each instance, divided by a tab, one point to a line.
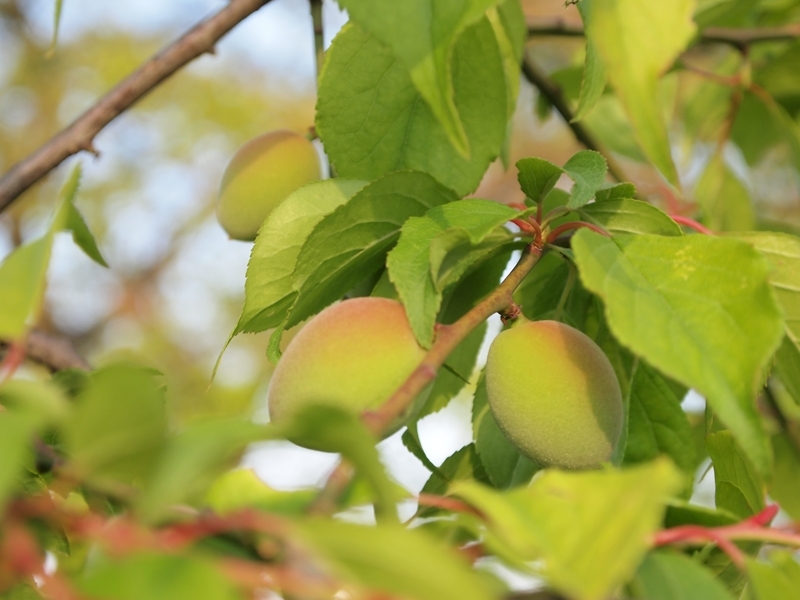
81	133
447	338
734	36
54	352
554	95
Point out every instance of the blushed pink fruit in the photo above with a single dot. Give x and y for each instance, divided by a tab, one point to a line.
555	395
353	355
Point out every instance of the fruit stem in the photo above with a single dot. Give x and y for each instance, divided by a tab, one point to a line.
574	225
686	221
447	338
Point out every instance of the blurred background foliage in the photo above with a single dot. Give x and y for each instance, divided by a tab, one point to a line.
175	286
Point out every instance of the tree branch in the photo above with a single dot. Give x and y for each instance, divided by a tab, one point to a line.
54	352
81	133
733	36
447	338
554	95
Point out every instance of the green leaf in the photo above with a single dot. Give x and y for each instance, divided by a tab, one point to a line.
269	287
588	170
241	489
699	309
193	460
410	262
503	464
785	484
629	216
672	576
508	22
593	83
373	121
565	521
352	241
42	401
396	561
118	427
537	177
681	513
82	236
739	488
781	579
724	198
656	422
156	577
413	444
618	191
423	37
638	41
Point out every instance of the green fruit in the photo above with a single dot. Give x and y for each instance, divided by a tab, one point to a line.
259	176
554	394
353	355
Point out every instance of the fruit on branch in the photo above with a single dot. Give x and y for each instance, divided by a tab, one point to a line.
554	394
353	355
259	176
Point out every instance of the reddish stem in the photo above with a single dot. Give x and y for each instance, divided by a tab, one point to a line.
574	225
687	222
694	534
446	503
13	360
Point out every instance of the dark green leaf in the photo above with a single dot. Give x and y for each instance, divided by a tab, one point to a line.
593	84
739	488
588	170
619	191
537	177
82	236
785	484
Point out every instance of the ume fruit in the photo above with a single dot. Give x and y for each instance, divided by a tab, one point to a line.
260	175
353	355
554	394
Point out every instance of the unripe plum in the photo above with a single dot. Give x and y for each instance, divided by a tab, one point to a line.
259	176
555	395
353	355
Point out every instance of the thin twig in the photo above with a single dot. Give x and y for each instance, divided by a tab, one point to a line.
554	95
81	133
733	36
447	338
54	352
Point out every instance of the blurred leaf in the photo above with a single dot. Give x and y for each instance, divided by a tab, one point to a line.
42	401
118	427
781	579
739	488
56	23
588	170
337	430
671	576
724	198
537	177
638	40
785	484
612	127
241	488
353	240
681	513
16	437
594	82
504	465
398	562
565	521
705	316
372	120
656	422
424	39
409	263
508	22
193	459
156	577
269	289
629	216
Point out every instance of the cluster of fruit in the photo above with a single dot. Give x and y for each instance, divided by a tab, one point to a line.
551	389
